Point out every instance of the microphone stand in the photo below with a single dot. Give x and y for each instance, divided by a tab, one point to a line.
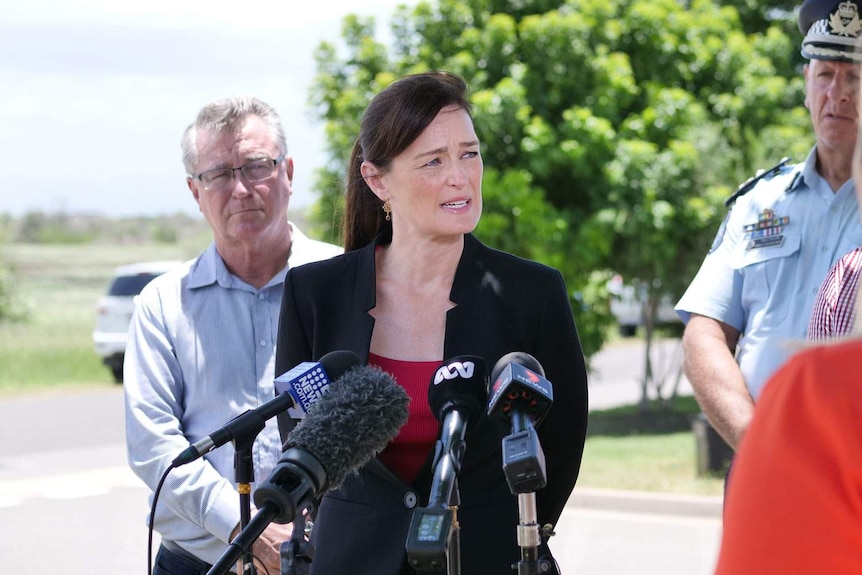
434	536
524	466
528	537
244	476
453	558
281	498
296	553
242	542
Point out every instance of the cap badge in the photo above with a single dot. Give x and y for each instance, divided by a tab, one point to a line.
845	21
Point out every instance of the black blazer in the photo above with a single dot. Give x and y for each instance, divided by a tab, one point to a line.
502	304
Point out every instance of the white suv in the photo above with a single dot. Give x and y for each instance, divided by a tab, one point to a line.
114	311
628	305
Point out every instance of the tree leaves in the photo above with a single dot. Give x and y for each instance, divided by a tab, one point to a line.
612	130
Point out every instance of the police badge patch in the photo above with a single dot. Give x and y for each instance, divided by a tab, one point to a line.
719	236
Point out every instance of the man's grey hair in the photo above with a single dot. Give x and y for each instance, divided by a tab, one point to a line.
227	115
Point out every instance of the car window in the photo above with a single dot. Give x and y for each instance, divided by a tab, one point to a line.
130	285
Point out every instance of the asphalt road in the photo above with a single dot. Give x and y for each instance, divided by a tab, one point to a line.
69	504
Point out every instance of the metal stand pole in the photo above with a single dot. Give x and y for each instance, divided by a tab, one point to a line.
244	474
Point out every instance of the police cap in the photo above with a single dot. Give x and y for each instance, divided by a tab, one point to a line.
832	29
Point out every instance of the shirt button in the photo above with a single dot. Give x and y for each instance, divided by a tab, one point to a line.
262	343
410	500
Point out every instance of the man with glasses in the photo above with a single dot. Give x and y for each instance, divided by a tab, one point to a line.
202	340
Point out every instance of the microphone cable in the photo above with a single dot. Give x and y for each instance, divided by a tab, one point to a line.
153	518
152	522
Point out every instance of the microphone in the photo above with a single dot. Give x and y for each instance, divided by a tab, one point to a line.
299	387
457	397
308	381
361	414
521	394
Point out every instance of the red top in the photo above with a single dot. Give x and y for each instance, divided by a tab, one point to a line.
794	499
406	454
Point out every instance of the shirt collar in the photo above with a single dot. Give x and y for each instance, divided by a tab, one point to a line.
809	174
210	267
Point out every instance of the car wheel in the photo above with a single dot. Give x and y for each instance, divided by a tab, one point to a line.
117	371
628	330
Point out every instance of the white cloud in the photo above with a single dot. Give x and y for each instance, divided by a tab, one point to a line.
97	93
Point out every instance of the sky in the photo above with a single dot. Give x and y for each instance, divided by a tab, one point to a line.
95	94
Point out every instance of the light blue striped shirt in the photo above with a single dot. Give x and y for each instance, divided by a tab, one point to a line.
765	285
201	351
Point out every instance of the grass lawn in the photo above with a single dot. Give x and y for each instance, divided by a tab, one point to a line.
647	451
60	284
53	349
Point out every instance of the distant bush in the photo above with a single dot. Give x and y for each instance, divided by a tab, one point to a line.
12	306
64	228
59	228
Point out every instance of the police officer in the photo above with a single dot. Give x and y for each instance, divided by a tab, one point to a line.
748	307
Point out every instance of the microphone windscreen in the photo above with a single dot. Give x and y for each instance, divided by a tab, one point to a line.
362	412
460	383
519	357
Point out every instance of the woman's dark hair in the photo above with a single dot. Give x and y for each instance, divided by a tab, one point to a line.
393	120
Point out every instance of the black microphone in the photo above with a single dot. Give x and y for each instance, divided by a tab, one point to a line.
300	387
521	394
355	420
457	397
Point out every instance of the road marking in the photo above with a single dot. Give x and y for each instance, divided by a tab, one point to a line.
67	485
640	517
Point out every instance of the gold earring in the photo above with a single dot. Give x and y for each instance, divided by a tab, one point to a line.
387	209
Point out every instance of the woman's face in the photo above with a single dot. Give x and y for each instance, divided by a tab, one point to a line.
435	185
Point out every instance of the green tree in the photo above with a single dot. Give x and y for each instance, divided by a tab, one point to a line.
612	130
12	306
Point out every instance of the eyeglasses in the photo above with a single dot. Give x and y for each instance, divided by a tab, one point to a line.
220	179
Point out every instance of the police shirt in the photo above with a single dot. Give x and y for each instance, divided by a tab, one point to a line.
766	265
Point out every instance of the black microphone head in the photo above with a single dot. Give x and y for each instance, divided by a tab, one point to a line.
518	385
460	383
519	357
362	412
337	363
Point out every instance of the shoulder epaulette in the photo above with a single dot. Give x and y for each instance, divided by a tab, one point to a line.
748	184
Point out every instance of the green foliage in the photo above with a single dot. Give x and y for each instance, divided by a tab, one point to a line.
59	228
612	130
12	306
53	346
53	230
64	228
653	450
